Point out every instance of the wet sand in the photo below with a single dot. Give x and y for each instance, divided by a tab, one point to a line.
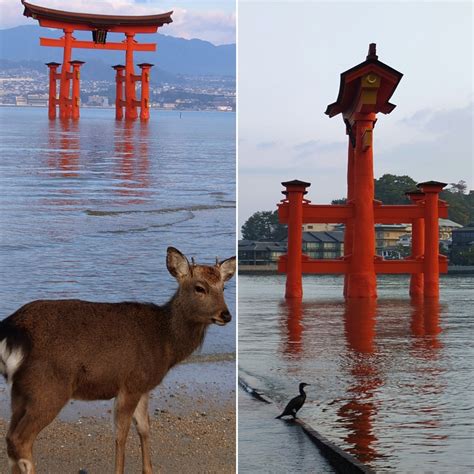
192	418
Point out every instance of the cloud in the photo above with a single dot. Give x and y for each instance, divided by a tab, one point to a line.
218	27
313	147
215	26
267	145
442	150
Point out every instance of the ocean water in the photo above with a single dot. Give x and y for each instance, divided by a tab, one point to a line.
391	380
88	208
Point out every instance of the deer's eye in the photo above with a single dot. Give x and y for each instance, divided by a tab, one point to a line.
200	289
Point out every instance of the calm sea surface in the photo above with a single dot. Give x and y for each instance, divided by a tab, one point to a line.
391	381
87	209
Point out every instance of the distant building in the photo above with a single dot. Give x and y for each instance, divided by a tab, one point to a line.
318	227
462	245
98	101
405	240
253	252
21	100
318	245
37	100
323	245
388	235
446	227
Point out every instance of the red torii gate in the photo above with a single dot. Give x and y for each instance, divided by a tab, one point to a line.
364	91
100	25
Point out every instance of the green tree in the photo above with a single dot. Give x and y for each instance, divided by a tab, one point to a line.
461	203
264	226
462	256
391	189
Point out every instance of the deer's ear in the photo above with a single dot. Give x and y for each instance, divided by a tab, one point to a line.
177	263
227	268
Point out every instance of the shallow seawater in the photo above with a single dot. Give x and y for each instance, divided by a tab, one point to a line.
391	380
88	208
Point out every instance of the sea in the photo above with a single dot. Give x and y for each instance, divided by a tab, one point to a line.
89	207
390	380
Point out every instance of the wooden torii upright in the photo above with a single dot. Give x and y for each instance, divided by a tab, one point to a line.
364	91
99	25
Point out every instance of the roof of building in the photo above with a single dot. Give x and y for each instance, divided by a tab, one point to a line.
262	246
448	223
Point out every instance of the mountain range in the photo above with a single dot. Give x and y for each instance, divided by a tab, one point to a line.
175	56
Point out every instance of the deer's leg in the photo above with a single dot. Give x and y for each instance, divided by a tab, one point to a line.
125	405
32	410
142	423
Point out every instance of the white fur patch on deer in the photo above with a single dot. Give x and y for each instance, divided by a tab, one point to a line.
10	360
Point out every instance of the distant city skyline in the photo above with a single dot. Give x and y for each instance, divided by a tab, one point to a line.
212	21
290	60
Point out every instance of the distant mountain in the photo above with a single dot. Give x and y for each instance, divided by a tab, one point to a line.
173	55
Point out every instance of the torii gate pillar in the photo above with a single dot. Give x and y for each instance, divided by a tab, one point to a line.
295	190
53	77
364	91
417	243
76	99
119	80
431	189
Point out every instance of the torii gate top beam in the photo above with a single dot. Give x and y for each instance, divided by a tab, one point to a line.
50	18
373	80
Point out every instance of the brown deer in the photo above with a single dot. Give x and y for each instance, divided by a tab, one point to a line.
54	351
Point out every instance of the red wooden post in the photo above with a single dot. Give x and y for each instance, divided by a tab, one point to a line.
130	93
76	99
295	190
119	81
362	279
417	243
349	228
145	98
431	189
64	90
53	77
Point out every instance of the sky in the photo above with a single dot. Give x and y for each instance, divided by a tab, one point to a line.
212	21
290	56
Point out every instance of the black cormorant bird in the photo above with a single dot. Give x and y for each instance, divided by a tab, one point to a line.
295	403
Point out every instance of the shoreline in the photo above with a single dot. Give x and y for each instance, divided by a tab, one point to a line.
192	417
272	270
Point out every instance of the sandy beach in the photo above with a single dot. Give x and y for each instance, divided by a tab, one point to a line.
192	418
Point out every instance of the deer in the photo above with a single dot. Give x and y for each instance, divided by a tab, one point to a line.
52	351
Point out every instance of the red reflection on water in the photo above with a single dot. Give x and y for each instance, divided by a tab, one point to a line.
64	147
131	148
292	313
425	329
358	413
425	325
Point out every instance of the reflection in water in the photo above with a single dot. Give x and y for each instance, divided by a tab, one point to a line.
292	311
425	324
361	407
131	148
426	346
64	147
358	413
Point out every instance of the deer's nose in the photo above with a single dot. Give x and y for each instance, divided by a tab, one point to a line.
225	315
